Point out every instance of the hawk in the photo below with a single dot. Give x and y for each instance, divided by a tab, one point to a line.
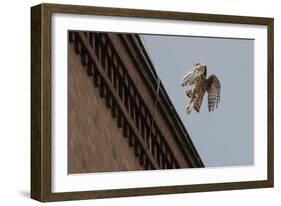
198	77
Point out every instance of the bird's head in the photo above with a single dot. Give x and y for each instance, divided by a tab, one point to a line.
202	68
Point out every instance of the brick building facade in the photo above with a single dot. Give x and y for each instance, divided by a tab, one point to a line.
118	117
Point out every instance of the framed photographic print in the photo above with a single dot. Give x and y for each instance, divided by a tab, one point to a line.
132	102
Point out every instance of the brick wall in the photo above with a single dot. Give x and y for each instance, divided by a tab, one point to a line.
95	143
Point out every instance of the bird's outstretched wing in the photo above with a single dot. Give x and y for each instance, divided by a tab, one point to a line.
194	74
213	89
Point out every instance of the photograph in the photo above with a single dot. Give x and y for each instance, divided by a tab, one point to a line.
129	102
201	114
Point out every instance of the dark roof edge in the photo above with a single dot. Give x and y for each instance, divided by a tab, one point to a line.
185	137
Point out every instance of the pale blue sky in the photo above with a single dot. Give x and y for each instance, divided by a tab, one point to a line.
223	137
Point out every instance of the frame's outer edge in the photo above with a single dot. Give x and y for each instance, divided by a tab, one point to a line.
270	100
46	103
36	138
36	130
40	103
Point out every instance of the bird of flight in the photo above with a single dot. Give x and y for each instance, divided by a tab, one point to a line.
197	77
